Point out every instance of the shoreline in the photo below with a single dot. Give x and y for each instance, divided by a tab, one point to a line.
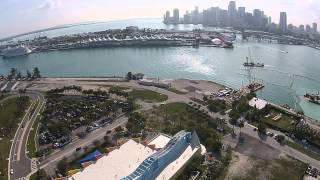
122	79
179	84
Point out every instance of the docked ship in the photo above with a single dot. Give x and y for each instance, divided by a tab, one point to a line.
252	63
314	98
20	50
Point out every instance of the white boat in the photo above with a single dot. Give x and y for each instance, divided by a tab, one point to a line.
16	51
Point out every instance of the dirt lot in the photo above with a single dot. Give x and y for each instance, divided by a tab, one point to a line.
256	149
196	85
255	160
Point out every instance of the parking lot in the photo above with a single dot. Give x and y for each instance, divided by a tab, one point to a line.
66	118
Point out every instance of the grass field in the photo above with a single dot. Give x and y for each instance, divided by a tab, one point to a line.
3	96
284	123
120	88
178	114
173	117
176	91
8	121
300	148
147	95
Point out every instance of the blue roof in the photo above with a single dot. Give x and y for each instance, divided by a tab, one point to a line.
90	157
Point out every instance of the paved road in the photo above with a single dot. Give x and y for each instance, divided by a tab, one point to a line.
172	97
70	148
249	130
18	160
99	133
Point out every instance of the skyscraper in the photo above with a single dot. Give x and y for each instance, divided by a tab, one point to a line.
301	28
232	7
195	17
176	17
308	28
257	18
187	18
232	12
290	28
241	12
283	22
167	17
269	20
314	28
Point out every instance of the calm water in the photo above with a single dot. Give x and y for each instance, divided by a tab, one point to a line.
287	75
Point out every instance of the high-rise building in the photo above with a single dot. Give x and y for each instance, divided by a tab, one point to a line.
257	18
308	28
269	20
314	28
248	19
167	17
176	17
187	18
232	11
241	12
301	28
195	16
232	6
283	22
290	28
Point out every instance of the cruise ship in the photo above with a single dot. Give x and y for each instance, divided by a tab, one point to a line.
20	50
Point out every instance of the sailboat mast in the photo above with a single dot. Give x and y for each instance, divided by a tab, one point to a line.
250	55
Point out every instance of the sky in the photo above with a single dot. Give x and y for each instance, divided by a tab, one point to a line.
20	16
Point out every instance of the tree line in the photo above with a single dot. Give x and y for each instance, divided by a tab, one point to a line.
14	73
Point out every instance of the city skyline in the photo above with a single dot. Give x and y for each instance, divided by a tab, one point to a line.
20	17
239	18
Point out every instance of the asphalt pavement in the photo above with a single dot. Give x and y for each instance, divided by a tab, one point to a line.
22	164
19	162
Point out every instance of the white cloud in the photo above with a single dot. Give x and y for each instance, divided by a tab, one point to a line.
49	4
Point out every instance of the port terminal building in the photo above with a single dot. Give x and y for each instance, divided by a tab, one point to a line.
160	158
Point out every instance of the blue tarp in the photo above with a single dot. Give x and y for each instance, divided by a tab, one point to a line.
90	157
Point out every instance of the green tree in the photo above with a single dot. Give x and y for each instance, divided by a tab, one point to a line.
281	139
234	116
241	125
19	75
129	76
41	175
29	74
118	129
262	128
136	122
131	103
12	73
205	98
62	166
36	72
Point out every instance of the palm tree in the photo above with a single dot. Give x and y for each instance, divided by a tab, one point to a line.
36	72
241	125
129	76
12	74
19	75
29	74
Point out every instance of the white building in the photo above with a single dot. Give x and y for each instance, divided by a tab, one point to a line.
258	103
119	163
